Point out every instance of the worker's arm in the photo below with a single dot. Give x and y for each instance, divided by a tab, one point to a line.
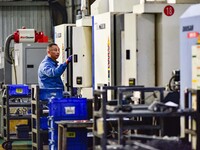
50	70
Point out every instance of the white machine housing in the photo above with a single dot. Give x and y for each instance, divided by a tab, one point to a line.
102	6
62	40
122	6
189	23
82	56
103	50
196	67
165	28
129	65
137	28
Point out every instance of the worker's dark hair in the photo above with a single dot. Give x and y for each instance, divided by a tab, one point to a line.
51	44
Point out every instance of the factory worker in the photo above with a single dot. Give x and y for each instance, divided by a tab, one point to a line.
49	72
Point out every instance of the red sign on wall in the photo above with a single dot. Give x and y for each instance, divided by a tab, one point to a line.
169	10
192	35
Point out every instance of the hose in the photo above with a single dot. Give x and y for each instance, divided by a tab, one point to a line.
7	49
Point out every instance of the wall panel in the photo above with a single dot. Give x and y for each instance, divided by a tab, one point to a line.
14	17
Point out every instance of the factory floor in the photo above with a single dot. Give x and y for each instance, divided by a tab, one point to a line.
18	145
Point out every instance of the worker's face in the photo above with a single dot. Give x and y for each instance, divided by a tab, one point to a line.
54	52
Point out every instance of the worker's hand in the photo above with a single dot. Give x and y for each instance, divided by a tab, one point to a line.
69	59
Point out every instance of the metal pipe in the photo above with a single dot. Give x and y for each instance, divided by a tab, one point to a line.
7	49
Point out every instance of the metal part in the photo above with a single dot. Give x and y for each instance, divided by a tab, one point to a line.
39	136
102	117
7	105
174	82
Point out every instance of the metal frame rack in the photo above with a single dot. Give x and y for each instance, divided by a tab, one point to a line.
37	132
192	124
13	102
1	115
101	117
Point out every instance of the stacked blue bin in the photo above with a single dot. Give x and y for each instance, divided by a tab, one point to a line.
49	93
68	109
46	94
18	90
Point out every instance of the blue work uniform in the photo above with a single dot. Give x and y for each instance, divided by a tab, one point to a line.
49	73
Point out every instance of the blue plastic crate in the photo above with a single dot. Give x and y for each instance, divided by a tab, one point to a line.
76	136
76	139
18	90
45	94
44	123
82	146
68	108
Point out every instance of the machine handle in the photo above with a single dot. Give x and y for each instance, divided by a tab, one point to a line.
30	66
128	54
75	58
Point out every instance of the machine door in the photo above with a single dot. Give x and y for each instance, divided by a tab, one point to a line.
34	57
